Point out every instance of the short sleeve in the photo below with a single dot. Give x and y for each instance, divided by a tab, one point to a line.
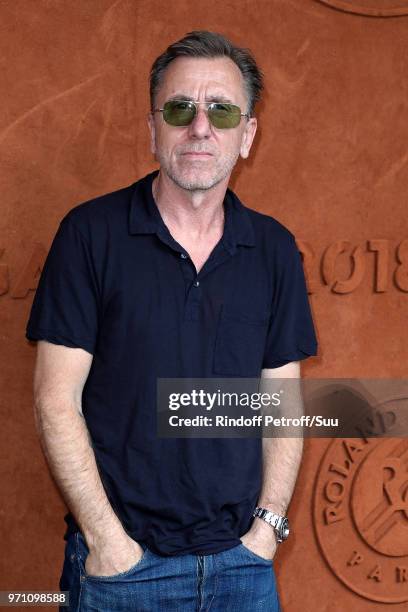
291	334
66	303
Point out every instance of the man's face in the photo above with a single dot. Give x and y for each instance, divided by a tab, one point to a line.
199	156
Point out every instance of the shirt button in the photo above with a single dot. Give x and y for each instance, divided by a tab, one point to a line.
196	284
183	256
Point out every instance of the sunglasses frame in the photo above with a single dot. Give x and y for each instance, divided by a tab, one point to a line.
195	103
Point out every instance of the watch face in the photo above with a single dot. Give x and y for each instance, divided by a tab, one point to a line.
285	529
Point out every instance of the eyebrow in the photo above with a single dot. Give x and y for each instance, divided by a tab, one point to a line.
213	98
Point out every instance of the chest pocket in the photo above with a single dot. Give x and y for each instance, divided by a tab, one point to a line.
240	344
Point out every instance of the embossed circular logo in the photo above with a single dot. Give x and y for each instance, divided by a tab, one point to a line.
372	8
361	515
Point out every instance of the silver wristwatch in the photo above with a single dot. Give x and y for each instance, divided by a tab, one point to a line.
279	523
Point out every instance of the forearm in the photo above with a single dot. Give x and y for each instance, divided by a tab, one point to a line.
67	447
281	456
281	459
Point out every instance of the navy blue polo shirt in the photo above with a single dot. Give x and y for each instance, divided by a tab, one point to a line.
117	284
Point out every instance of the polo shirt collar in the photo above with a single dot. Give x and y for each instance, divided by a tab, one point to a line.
145	217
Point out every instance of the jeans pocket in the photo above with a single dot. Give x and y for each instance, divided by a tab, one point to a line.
253	555
240	344
83	551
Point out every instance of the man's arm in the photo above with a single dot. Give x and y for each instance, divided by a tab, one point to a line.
59	378
281	459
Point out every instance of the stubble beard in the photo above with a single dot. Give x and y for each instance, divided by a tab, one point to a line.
195	176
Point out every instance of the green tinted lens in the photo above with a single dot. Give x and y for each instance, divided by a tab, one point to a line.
178	113
224	115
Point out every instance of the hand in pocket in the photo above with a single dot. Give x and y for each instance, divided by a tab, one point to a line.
110	559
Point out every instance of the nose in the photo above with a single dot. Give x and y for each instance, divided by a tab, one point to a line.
200	127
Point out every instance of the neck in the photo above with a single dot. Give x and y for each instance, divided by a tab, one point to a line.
200	212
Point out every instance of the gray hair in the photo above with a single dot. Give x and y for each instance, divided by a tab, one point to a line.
202	43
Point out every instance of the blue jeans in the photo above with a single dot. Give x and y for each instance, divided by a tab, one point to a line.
235	580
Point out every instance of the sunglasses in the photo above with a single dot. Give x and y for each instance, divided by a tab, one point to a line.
222	115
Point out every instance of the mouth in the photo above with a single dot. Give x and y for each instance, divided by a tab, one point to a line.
196	154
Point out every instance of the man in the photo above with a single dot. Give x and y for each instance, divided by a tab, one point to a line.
171	276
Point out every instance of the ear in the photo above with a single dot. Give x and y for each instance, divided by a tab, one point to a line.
152	129
248	137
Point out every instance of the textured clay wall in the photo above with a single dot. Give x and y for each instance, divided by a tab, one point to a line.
330	162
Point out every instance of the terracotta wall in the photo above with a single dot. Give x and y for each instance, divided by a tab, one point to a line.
330	162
